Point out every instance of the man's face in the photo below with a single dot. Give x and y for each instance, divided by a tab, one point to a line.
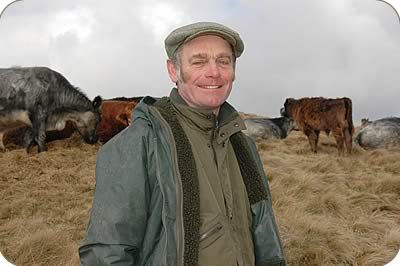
206	72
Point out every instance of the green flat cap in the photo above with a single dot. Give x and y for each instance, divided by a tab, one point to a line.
186	33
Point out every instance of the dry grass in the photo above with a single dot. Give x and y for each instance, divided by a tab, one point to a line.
331	210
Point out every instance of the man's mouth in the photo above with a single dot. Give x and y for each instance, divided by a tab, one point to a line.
212	87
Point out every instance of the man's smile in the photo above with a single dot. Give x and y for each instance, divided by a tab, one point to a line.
210	86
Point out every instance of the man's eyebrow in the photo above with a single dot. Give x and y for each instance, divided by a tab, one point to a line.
203	55
224	55
199	55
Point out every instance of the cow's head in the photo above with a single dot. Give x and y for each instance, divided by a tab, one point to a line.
285	110
86	123
365	122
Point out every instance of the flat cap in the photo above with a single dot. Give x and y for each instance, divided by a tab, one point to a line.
186	33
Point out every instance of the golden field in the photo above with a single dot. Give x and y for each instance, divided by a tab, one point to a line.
331	210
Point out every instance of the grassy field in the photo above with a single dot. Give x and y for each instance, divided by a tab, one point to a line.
331	210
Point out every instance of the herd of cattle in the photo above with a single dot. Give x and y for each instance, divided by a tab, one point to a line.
38	105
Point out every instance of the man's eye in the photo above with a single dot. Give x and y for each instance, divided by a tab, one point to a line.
196	63
224	61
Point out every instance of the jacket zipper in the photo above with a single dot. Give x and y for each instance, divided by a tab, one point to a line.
211	231
215	128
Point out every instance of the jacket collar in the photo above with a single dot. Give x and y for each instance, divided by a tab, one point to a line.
227	123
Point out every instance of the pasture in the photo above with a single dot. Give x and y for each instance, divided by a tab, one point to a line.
331	210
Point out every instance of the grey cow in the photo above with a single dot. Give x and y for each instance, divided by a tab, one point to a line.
381	133
43	99
269	128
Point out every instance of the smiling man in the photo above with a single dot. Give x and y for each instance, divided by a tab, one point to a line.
182	185
204	72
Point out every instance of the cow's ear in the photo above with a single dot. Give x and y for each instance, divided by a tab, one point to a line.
286	101
289	101
97	102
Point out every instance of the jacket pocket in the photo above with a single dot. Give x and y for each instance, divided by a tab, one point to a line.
210	235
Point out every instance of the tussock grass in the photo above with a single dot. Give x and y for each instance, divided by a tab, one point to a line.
331	210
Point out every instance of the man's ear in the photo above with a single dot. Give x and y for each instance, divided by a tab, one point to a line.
172	71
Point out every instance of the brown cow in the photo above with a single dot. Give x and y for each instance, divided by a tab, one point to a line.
313	115
16	134
12	119
115	116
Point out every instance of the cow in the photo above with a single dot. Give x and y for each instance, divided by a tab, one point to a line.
115	116
16	134
316	114
49	100
381	133
10	120
268	128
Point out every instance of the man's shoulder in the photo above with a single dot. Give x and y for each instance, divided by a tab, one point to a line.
144	108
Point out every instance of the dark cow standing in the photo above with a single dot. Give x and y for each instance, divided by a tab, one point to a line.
49	100
313	115
381	133
267	128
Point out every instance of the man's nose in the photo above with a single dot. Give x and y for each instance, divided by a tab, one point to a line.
212	70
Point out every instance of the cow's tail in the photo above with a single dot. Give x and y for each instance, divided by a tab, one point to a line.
349	114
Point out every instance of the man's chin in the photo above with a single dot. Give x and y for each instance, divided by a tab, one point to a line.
214	105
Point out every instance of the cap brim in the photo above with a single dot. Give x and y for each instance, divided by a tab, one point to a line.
221	34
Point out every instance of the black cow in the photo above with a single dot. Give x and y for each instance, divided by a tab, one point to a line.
267	128
380	133
49	100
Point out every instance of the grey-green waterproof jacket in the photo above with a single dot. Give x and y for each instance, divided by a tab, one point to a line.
137	217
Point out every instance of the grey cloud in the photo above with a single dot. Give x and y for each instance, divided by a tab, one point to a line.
328	48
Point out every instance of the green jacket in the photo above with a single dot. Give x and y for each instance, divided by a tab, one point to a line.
140	213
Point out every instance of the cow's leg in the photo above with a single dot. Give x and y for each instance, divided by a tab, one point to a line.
28	140
39	121
348	140
2	147
312	139
339	136
316	139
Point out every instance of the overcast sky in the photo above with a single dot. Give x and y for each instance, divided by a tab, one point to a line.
330	48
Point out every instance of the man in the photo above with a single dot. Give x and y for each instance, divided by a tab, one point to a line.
182	185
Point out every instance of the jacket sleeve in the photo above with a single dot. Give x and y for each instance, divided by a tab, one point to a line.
120	205
267	243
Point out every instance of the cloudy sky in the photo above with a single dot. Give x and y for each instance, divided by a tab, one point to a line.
330	48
